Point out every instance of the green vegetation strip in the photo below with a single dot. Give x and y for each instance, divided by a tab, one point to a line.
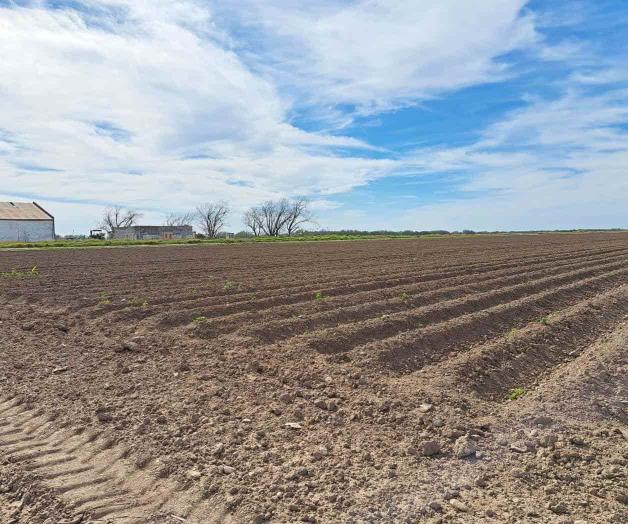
95	243
91	243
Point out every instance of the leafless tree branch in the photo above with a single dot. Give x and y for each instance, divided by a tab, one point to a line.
253	220
117	216
212	217
275	217
299	213
179	219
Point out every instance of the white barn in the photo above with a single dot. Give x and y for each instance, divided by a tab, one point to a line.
25	222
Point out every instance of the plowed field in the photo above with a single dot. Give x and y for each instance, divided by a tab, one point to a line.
445	380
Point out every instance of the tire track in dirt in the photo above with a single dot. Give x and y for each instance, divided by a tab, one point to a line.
92	475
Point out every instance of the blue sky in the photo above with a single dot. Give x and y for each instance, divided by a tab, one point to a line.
414	114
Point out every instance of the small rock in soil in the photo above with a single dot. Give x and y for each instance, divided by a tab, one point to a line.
103	415
320	453
543	421
126	346
435	506
286	397
559	508
458	505
194	474
465	447
430	448
519	446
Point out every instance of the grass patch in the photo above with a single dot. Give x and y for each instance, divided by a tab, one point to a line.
96	243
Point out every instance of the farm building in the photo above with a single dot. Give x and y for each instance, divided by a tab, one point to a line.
152	232
25	222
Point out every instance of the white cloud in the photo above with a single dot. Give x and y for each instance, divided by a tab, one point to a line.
554	164
162	104
146	108
378	54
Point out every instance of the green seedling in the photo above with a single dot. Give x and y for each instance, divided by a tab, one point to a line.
516	393
103	298
229	285
320	296
544	320
512	333
139	302
17	274
199	319
404	296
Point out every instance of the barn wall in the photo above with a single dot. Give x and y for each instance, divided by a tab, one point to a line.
153	232
26	230
124	233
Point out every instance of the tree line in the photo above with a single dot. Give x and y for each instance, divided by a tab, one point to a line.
271	218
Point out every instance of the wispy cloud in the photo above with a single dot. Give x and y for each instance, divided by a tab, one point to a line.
554	164
377	55
148	90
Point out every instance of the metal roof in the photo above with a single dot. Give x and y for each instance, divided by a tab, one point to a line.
23	211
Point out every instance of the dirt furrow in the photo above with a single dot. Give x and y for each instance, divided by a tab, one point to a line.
350	335
361	308
521	359
241	303
413	350
138	287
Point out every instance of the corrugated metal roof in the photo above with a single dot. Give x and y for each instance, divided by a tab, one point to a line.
22	211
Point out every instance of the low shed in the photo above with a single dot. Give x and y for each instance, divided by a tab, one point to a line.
152	232
25	222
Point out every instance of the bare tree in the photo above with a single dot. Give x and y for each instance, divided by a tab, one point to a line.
116	216
253	220
298	214
212	217
274	217
274	214
179	219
